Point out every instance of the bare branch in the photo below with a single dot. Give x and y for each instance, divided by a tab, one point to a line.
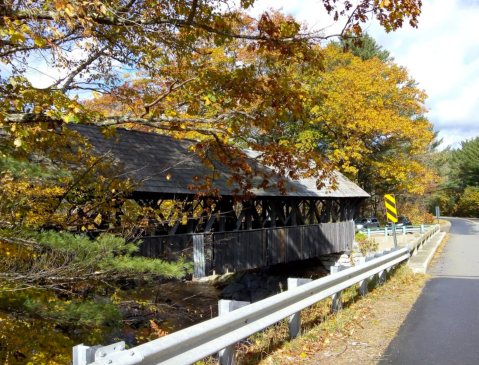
161	97
93	57
160	122
193	12
114	20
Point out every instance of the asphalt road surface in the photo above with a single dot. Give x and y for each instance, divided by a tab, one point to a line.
443	325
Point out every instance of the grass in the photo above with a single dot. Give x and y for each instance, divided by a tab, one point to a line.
319	325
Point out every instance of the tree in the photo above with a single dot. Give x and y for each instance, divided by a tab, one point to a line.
366	48
468	204
371	123
459	171
466	162
205	68
93	43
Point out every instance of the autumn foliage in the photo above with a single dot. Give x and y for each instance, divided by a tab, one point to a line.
204	70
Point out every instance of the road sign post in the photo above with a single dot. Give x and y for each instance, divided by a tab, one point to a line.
394	235
391	214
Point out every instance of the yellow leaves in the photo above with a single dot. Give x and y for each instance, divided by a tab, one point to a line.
70	11
98	219
18	142
17	37
103	9
385	3
367	111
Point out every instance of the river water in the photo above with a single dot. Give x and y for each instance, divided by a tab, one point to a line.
150	310
172	306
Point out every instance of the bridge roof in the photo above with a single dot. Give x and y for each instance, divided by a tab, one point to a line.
150	157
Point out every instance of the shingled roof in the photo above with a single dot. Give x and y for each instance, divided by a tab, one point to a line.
146	156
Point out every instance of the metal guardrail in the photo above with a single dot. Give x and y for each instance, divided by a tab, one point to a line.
240	320
431	231
385	231
207	338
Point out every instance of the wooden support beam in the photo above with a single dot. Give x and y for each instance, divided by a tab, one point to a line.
312	207
174	227
239	220
190	225
248	218
255	215
265	212
326	212
222	223
210	223
316	211
280	208
301	216
343	204
272	213
293	215
334	211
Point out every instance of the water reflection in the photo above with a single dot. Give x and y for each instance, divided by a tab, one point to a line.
149	311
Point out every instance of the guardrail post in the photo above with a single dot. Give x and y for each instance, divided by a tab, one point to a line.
228	355
295	319
337	303
422	228
385	231
363	284
83	355
387	252
382	277
369	232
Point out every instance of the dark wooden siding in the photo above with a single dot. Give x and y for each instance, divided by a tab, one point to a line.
242	250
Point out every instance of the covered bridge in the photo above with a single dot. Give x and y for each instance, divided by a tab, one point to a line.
218	234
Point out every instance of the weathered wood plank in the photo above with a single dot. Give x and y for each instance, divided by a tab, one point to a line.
208	241
292	244
275	246
218	253
199	255
242	250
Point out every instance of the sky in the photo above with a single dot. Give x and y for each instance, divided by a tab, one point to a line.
442	55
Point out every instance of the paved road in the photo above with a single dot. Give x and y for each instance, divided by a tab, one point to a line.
443	325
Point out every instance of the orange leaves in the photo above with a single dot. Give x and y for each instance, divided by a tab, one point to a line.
156	332
391	14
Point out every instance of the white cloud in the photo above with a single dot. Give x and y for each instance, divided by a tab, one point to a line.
442	55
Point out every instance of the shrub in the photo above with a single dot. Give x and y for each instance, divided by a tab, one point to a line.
468	204
366	244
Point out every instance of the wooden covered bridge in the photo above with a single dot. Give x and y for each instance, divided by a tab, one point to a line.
219	234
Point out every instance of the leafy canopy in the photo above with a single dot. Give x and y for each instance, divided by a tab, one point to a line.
205	67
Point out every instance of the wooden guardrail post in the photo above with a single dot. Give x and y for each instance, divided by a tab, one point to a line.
295	319
228	354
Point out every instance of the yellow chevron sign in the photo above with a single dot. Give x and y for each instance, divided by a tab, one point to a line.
391	212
